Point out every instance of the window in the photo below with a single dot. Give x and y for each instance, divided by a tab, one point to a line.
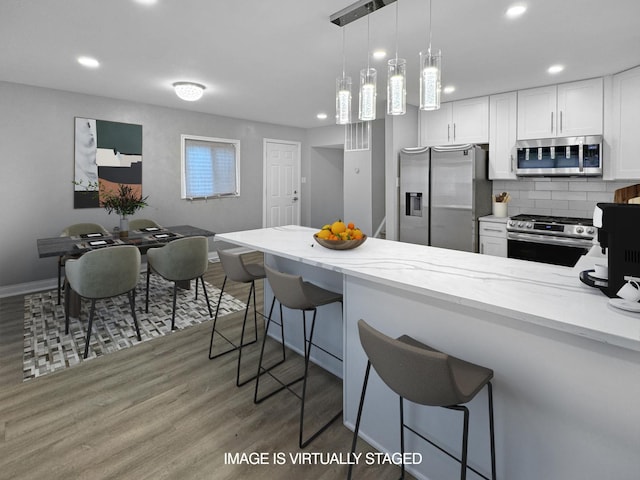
210	167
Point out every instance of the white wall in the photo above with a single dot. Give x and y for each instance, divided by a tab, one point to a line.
36	167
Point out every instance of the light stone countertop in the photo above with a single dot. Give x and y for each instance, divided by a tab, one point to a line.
547	295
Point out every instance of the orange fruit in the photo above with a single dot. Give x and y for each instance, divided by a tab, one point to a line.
351	226
338	227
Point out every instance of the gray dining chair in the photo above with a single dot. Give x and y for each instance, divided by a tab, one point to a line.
425	376
181	260
293	292
139	223
236	270
72	231
103	273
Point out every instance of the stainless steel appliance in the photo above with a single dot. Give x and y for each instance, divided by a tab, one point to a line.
547	239
568	156
443	191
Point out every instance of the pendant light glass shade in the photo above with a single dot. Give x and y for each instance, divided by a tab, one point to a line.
397	86
367	103
430	68
343	100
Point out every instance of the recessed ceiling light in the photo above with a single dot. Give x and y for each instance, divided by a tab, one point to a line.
449	89
322	116
88	62
147	2
555	69
379	54
189	91
515	10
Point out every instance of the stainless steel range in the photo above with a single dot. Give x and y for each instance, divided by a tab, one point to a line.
547	239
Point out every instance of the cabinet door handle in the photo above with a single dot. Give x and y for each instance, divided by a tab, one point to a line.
454	132
511	164
560	121
551	122
492	230
481	247
448	132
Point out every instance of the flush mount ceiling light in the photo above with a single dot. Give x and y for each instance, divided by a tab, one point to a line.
448	89
379	54
515	10
321	116
555	69
88	62
189	91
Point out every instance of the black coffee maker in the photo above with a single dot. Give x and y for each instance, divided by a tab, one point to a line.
619	231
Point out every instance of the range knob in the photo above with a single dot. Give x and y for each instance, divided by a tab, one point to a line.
579	230
590	231
520	224
511	223
529	225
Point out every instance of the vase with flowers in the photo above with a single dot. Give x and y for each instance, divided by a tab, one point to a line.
124	201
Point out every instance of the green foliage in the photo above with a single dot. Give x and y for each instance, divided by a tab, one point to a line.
123	201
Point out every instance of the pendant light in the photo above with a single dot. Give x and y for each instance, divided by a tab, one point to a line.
396	81
343	91
367	98
430	69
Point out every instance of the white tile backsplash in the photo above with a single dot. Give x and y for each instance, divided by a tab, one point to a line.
574	197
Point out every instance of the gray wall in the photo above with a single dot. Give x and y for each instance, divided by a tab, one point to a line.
36	165
325	180
400	132
326	201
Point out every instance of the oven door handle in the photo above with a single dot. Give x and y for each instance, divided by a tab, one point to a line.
549	239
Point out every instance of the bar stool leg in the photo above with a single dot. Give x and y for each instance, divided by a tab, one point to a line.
215	319
357	428
492	431
307	353
261	369
402	435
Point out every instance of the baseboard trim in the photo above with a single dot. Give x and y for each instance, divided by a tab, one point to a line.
28	287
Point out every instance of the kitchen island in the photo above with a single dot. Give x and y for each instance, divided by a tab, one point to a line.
567	365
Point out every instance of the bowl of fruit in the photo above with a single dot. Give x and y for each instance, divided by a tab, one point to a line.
340	236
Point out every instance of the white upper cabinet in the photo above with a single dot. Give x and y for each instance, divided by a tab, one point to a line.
625	126
502	135
565	110
464	121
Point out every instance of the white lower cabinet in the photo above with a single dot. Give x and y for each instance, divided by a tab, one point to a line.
493	236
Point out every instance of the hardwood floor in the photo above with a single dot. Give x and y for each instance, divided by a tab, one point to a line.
160	410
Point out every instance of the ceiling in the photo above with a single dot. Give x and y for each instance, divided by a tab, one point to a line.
276	61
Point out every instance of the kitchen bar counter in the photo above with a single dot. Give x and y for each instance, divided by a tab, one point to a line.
542	294
566	364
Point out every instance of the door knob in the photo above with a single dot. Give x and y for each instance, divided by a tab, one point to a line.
295	199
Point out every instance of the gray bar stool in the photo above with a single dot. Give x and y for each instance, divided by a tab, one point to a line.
237	271
423	375
296	294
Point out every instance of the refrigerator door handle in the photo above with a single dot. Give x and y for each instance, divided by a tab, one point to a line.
452	148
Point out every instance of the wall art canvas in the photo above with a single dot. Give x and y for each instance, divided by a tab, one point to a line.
106	155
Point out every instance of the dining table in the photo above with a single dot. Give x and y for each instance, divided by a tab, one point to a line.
144	239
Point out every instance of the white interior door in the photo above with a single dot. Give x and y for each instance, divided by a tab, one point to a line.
281	183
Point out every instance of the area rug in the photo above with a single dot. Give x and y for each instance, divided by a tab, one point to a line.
47	348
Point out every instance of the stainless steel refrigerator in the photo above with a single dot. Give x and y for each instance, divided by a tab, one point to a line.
443	191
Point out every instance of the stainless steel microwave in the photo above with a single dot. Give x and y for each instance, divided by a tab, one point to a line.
567	156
